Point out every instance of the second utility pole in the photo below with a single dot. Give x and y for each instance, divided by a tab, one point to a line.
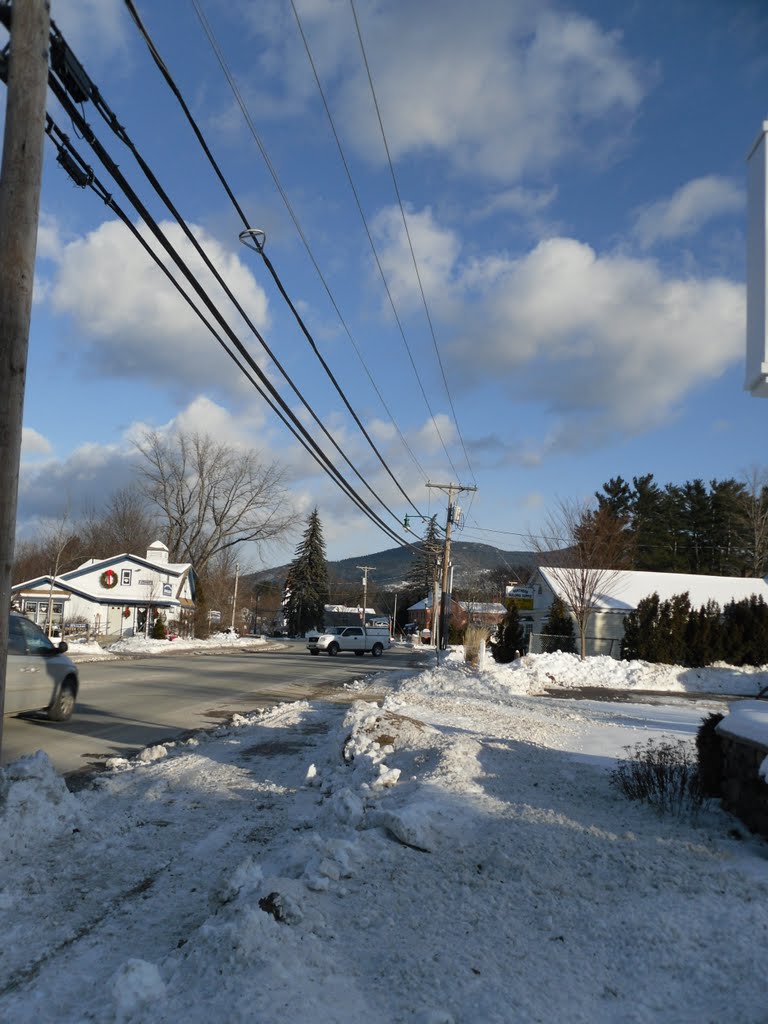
449	520
366	569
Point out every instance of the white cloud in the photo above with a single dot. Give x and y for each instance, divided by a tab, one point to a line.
33	443
522	202
688	210
87	476
603	336
604	342
526	85
95	29
133	323
436	249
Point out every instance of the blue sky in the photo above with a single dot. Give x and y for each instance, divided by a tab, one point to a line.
572	177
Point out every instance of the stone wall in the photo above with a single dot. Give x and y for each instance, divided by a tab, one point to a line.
744	793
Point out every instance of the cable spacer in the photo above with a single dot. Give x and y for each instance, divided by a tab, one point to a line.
254	238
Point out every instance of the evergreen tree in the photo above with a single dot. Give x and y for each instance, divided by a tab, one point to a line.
422	572
158	627
510	639
306	583
651	526
641	628
671	630
558	629
730	540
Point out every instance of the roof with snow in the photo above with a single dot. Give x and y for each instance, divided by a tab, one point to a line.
626	589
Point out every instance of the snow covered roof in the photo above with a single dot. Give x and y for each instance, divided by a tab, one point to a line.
626	589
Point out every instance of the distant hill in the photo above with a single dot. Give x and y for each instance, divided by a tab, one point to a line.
390	567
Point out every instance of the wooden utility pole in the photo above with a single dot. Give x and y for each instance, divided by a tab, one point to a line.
20	177
366	569
452	489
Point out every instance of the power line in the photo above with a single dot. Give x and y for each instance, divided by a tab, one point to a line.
374	250
408	236
83	175
87	89
206	149
87	133
294	217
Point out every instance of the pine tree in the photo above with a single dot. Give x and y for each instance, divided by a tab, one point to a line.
422	572
558	629
306	584
510	639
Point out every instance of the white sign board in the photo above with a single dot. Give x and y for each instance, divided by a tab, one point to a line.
757	241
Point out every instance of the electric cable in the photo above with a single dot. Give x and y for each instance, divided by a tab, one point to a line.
61	90
270	267
410	243
87	133
84	176
270	167
368	233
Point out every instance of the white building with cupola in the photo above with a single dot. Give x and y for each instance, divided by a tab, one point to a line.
120	595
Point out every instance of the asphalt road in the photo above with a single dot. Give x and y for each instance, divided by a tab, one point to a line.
129	704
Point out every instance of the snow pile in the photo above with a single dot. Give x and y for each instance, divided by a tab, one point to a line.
748	720
146	645
567	671
438	859
35	805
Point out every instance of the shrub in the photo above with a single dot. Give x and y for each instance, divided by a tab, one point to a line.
558	629
710	754
473	636
510	639
663	773
158	628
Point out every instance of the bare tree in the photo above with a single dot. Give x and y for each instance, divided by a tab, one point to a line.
584	550
211	496
756	482
126	523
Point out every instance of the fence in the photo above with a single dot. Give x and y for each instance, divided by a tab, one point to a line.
546	643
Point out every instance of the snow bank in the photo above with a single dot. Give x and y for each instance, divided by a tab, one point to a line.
146	645
35	805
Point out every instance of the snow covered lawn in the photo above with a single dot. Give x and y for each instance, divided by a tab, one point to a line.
455	855
140	645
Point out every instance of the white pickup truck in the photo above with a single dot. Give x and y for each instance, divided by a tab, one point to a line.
350	638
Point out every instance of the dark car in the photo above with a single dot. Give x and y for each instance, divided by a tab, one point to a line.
39	675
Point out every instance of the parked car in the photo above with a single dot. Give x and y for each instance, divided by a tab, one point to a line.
39	675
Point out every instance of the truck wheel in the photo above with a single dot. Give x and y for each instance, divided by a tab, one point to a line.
377	650
63	703
313	650
359	653
333	649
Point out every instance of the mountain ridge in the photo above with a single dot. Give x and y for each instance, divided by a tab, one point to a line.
389	568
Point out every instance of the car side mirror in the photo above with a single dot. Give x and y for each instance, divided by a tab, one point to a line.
63	646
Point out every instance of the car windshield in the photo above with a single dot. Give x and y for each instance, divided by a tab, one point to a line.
37	641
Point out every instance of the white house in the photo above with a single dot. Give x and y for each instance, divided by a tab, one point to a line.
627	589
112	595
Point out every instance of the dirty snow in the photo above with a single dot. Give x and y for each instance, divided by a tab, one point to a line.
455	854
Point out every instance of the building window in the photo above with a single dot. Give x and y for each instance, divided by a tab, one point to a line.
125	577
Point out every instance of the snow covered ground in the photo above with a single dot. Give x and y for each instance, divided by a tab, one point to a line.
140	645
456	854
